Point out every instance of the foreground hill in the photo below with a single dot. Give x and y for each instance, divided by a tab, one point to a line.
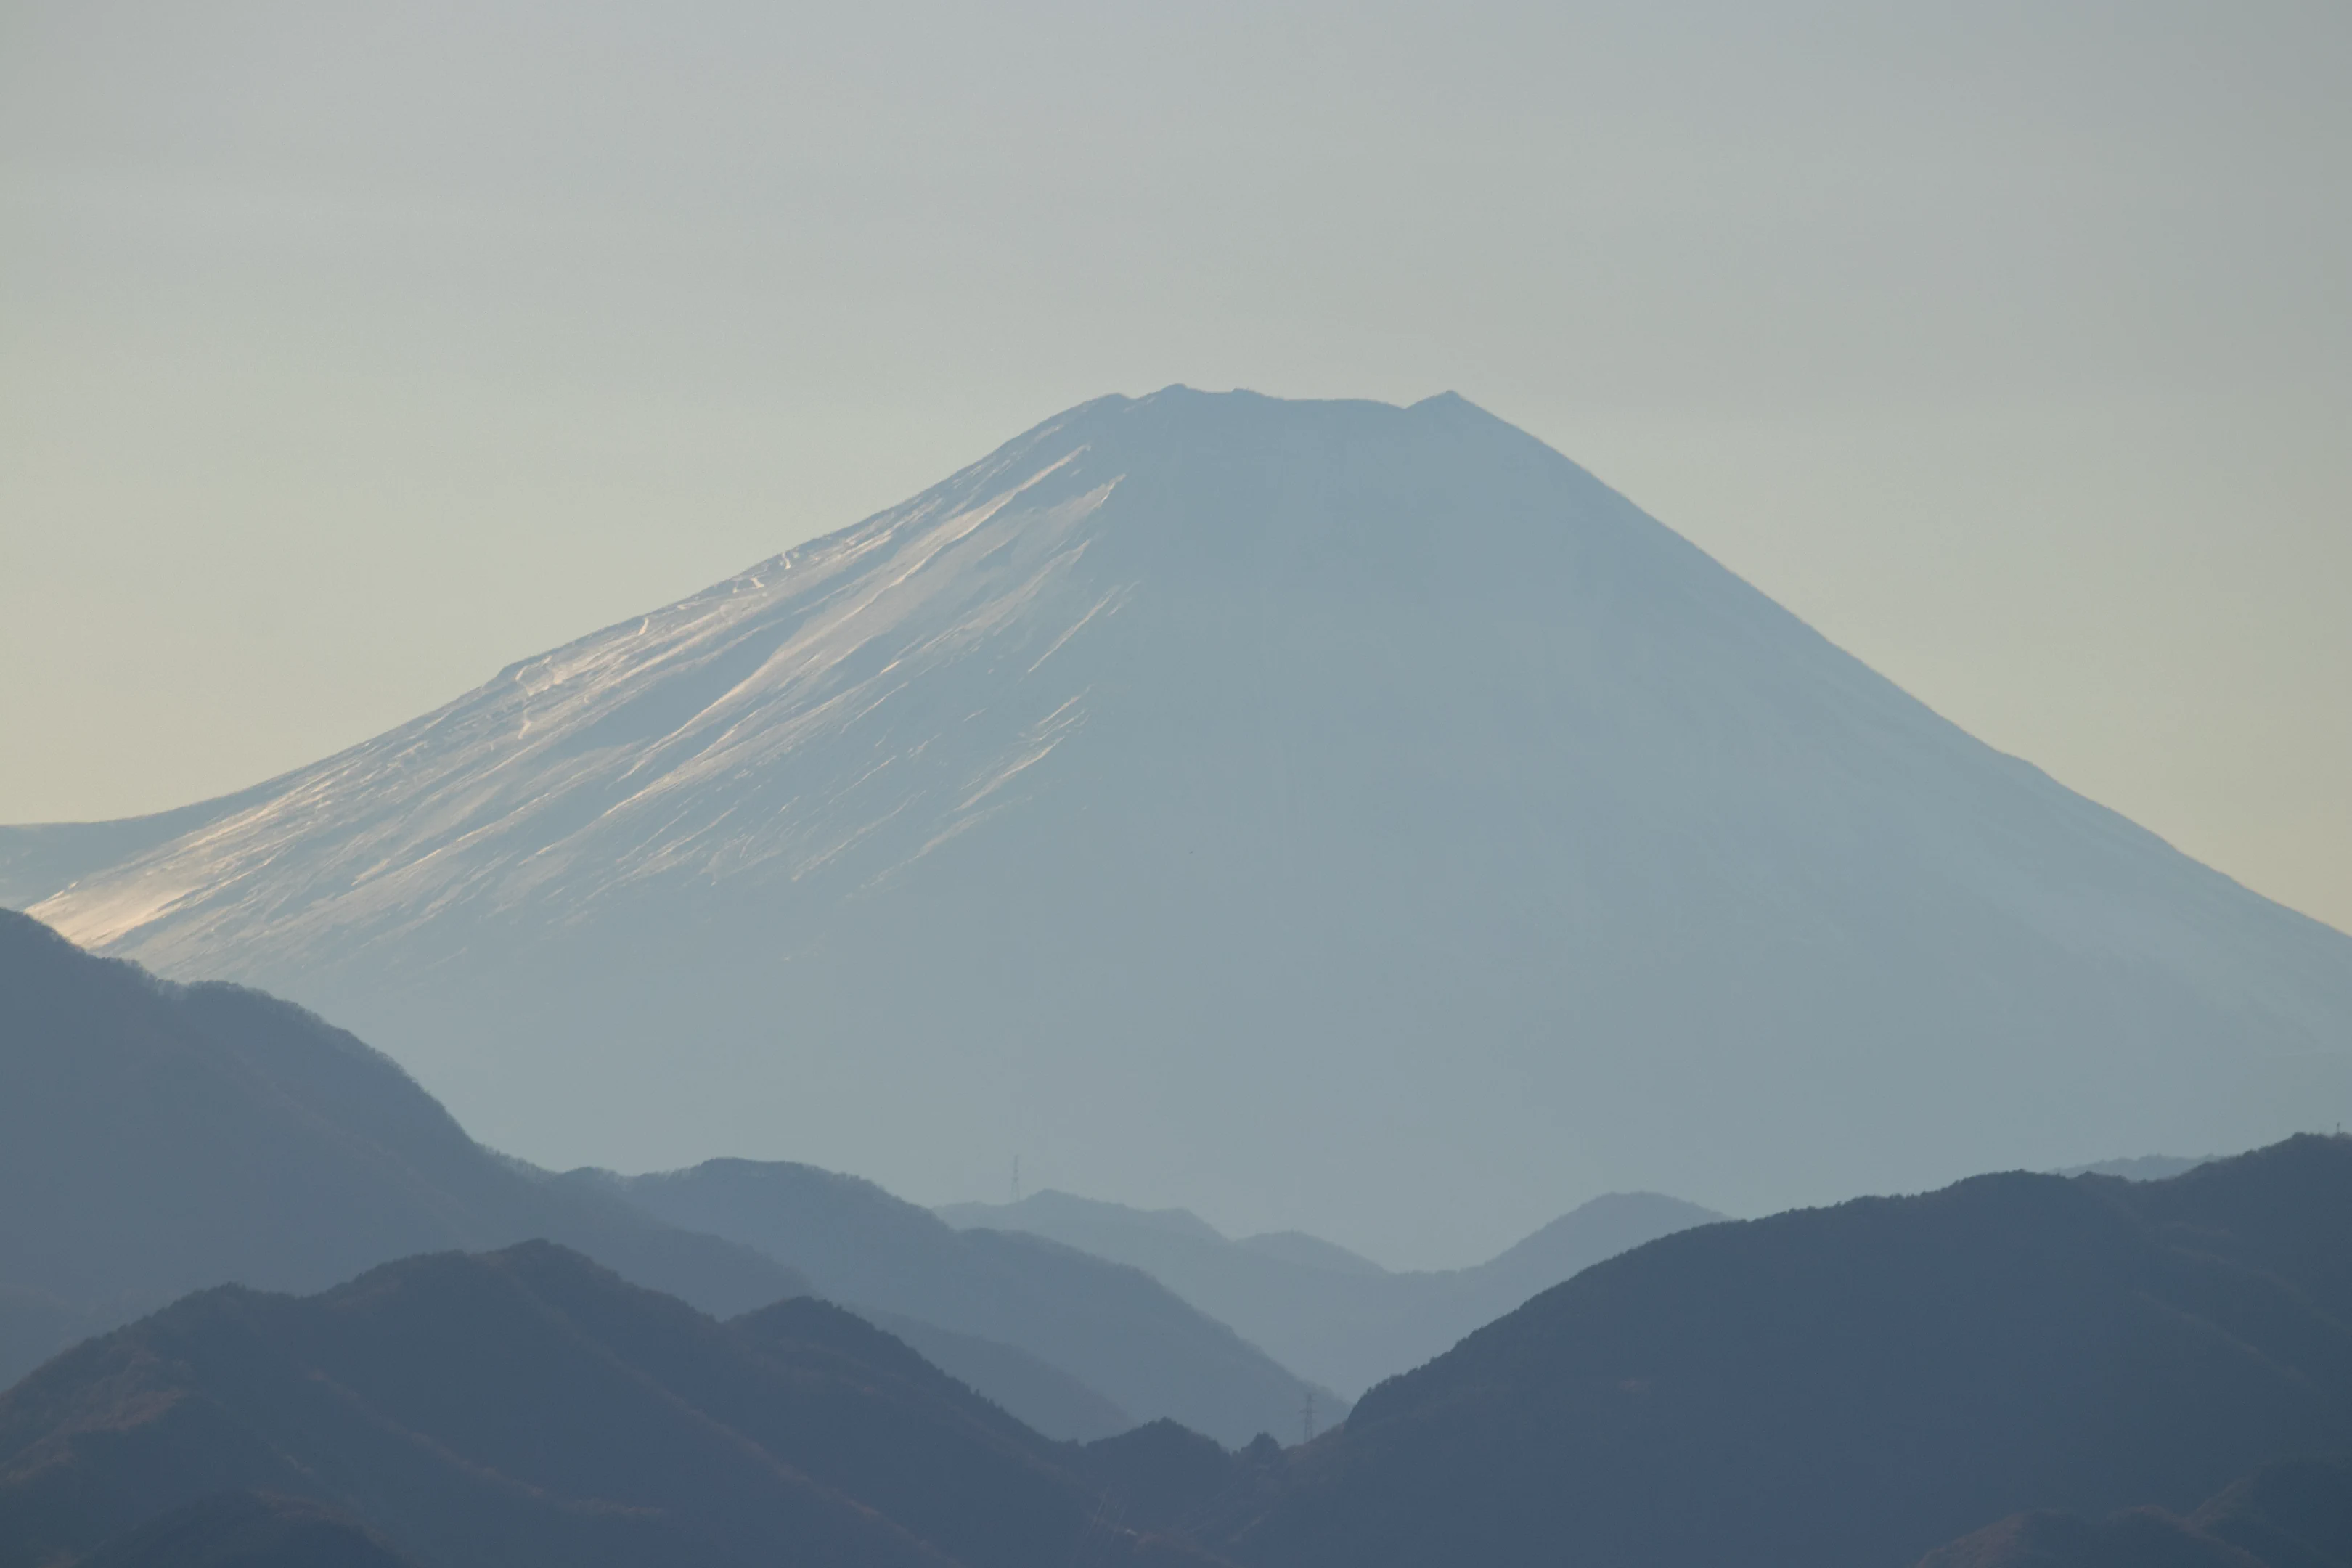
157	1138
1366	794
1111	1328
2291	1513
528	1409
1337	1318
1854	1386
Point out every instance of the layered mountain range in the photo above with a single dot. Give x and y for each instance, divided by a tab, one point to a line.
1113	1328
2017	1372
1343	815
1330	1314
157	1138
528	1407
1849	1386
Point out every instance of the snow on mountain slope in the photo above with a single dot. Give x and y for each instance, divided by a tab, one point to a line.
1324	813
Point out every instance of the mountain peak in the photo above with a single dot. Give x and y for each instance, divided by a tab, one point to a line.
1367	794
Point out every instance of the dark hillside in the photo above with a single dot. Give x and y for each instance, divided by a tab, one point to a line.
1114	1329
528	1408
156	1139
1040	1393
2292	1513
249	1530
1855	1386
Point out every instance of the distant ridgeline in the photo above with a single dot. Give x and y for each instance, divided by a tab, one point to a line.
156	1139
1334	1316
2016	1372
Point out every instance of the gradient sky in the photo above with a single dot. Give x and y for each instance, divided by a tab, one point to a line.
350	352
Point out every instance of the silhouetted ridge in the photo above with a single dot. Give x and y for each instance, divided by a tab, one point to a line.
1330	1314
1162	1478
1853	1385
2294	1513
1112	1328
529	1407
1038	1392
156	1138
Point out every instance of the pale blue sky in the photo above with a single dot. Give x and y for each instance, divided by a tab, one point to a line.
348	353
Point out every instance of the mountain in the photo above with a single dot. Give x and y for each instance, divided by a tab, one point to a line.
1040	1394
156	1138
2292	1513
249	1530
1353	817
528	1407
1856	1386
2140	1167
2139	1538
1335	1316
1111	1329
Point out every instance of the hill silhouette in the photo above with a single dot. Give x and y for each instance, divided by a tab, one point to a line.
1211	772
1335	1317
157	1138
1857	1384
529	1407
1112	1328
2291	1513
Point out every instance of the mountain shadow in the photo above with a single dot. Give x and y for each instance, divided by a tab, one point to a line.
1112	1328
1852	1386
530	1409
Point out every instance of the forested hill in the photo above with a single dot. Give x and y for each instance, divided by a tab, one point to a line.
1854	1386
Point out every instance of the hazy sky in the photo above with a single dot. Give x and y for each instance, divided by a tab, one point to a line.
348	353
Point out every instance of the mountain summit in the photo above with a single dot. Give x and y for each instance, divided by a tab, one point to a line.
1330	813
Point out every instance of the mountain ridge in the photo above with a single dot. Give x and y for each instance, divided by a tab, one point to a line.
1113	1328
157	1138
1865	1383
528	1406
1321	1310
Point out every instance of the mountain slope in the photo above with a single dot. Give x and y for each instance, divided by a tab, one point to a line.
527	1408
1856	1386
1337	1318
2291	1513
1040	1394
1110	1328
156	1138
1351	816
249	1530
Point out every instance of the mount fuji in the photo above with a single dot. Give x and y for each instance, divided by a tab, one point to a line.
1323	815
